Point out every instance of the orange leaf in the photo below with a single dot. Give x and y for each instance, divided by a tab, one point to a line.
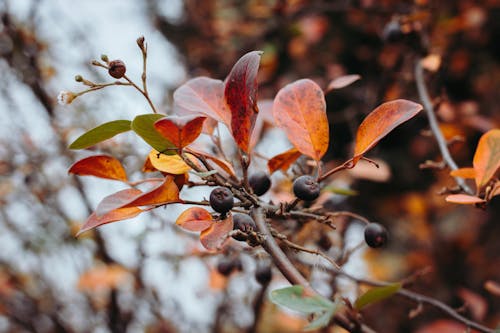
203	95
464	199
172	164
227	167
166	192
467	173
283	161
343	81
300	109
102	166
487	157
381	122
181	131
112	216
215	236
195	219
240	93
116	200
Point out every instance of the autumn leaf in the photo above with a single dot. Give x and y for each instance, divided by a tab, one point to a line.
467	173
240	94
181	131
381	122
203	95
283	161
116	200
215	236
464	199
143	125
164	193
343	81
487	157
112	216
227	167
172	164
103	277
102	166
195	219
300	110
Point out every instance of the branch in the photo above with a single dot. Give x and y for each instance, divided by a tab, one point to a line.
429	109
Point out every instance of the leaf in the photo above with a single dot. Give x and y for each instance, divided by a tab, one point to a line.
215	236
101	133
102	166
283	161
240	94
203	95
300	110
112	216
381	122
340	191
143	125
324	319
487	157
116	200
227	167
464	199
377	294
294	298
195	219
467	173
343	81
181	131
164	193
172	164
103	277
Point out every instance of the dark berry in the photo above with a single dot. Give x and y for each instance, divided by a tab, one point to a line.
306	188
117	69
263	274
259	182
225	266
392	32
221	200
375	235
244	223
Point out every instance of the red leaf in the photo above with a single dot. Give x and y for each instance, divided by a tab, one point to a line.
215	236
116	200
166	192
381	122
102	166
203	95
283	161
487	157
343	81
463	199
112	216
181	131
195	219
300	109
240	93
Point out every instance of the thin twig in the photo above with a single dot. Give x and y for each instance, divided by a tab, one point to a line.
433	123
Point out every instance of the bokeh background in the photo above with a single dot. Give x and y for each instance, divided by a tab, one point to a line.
146	274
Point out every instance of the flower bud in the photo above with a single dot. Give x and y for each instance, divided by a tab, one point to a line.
140	42
66	97
78	78
117	69
104	58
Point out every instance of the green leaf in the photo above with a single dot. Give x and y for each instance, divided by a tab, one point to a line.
340	191
323	319
376	294
294	299
143	125
101	133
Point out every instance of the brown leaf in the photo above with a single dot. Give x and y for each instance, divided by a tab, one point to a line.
464	199
195	219
300	110
240	93
487	157
181	131
283	161
343	81
215	236
203	95
102	166
112	216
381	122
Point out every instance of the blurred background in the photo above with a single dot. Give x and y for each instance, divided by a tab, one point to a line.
147	275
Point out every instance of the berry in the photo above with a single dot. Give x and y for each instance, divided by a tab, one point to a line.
225	266
221	200
392	32
259	182
117	69
375	235
263	274
244	223
306	188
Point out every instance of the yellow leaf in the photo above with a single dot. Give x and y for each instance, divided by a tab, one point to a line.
172	164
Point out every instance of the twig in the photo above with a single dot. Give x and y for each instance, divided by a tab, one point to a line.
433	123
